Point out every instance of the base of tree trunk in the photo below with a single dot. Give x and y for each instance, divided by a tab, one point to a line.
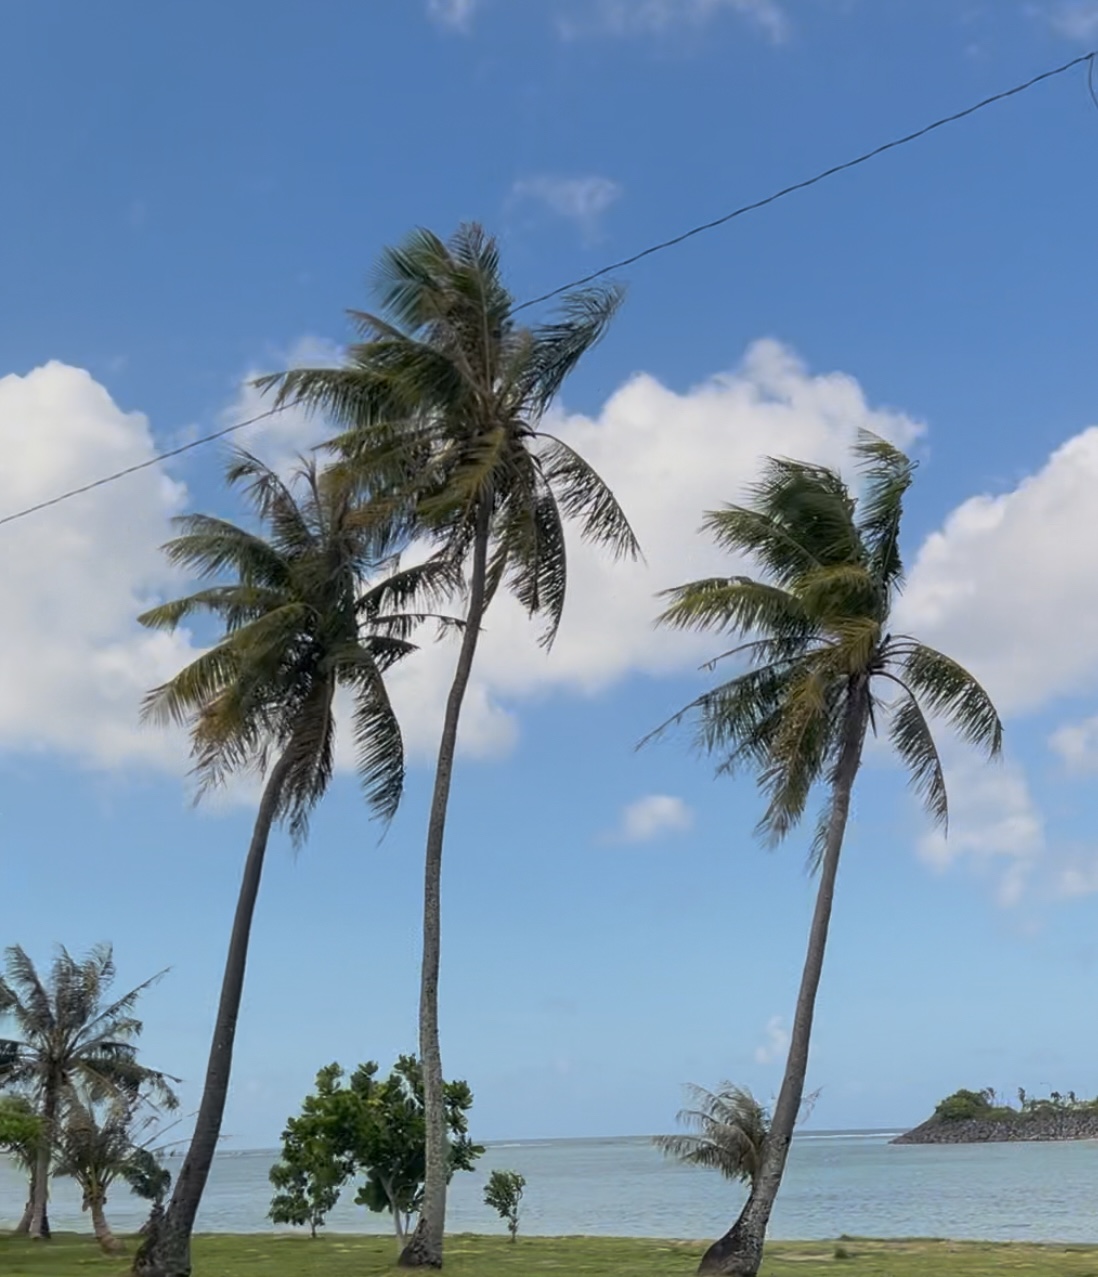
736	1254
418	1253
160	1254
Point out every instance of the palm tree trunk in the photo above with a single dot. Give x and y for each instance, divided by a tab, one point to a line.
23	1227
424	1250
109	1244
739	1252
40	1180
168	1249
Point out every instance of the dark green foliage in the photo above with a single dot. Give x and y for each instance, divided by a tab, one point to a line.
315	1162
503	1193
147	1176
965	1105
370	1127
20	1128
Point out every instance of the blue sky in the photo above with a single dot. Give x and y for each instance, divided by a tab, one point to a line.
196	195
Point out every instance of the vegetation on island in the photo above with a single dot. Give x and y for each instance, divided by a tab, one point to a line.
976	1116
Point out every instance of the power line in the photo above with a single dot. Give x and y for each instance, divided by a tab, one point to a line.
701	229
141	465
812	181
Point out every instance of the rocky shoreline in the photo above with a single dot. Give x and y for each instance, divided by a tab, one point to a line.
1023	1126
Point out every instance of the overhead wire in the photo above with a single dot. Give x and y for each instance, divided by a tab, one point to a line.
1089	59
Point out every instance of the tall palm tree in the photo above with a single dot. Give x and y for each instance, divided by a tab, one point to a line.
442	402
302	617
730	1129
824	668
71	1036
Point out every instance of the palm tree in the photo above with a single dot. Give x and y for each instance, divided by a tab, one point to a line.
301	620
94	1150
71	1037
824	668
442	404
731	1128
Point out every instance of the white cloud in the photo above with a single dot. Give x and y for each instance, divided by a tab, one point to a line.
1077	745
582	200
775	1042
625	17
1076	19
457	14
73	661
653	815
1033	544
994	825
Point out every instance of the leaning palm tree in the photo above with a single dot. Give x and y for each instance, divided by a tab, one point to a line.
824	668
730	1128
303	617
442	405
71	1036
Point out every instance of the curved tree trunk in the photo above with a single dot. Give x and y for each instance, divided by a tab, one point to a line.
739	1252
23	1227
39	1228
103	1235
167	1250
424	1250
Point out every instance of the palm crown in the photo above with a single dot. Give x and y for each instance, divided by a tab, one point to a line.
730	1127
300	619
71	1036
442	404
819	621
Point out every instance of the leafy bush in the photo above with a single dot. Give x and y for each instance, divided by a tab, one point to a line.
963	1105
503	1192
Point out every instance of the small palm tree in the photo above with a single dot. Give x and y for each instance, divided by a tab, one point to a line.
302	618
824	668
72	1039
94	1150
731	1128
442	404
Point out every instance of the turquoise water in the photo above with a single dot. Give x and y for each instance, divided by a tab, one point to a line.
843	1182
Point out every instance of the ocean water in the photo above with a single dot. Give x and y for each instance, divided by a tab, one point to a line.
837	1182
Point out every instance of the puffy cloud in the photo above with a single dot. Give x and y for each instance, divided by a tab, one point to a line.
1077	745
456	14
1034	545
73	661
775	1042
582	200
994	825
653	815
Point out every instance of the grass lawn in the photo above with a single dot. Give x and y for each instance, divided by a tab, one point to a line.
468	1256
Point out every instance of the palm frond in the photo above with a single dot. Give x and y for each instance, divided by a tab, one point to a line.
379	744
910	736
584	496
946	688
886	476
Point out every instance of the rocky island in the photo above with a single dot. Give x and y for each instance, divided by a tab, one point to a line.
977	1117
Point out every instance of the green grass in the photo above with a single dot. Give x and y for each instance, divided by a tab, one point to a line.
467	1256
